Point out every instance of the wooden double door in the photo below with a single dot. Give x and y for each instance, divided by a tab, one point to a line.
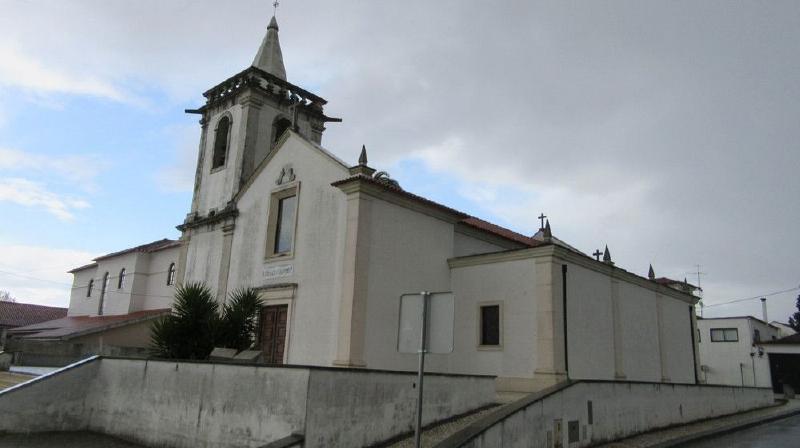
273	332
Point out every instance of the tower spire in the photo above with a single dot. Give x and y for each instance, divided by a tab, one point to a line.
269	57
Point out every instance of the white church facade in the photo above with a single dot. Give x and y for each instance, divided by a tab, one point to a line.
333	245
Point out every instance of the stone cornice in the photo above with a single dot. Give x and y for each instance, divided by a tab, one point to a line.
227	212
570	256
370	187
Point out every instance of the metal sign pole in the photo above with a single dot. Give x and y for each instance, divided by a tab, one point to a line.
426	296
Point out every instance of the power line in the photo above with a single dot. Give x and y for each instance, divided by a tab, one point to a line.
753	298
34	278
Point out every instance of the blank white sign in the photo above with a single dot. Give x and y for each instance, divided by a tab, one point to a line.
440	323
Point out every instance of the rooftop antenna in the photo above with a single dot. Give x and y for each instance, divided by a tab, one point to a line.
698	273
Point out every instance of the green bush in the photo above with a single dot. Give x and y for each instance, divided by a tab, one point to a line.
196	325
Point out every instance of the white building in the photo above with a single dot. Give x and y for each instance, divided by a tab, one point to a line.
730	350
332	246
112	304
784	329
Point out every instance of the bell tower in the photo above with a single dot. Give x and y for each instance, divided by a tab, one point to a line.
243	119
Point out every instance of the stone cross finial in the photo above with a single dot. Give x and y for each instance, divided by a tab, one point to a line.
541	219
597	254
362	159
651	274
607	256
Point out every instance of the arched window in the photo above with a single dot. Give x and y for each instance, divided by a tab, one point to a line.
279	126
171	274
89	288
103	288
221	137
121	281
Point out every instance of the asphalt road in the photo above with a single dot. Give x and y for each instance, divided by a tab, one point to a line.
780	433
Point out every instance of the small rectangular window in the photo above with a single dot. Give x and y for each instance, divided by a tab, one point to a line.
724	335
756	336
490	325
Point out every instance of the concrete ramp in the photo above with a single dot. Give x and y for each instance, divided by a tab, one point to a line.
586	413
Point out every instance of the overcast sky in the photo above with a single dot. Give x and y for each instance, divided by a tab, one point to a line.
667	130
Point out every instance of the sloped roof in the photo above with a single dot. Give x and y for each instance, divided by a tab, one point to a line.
149	247
14	314
81	268
501	231
793	339
465	218
669	282
73	326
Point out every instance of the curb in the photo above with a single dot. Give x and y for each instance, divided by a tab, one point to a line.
722	431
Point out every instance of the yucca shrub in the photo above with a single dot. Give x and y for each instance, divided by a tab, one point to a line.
196	325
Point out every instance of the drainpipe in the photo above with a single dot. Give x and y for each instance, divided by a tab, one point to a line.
564	307
764	309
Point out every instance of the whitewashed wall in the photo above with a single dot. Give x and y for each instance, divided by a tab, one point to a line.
591	330
511	284
618	410
408	254
206	405
318	245
218	187
590	324
204	256
730	362
145	285
157	294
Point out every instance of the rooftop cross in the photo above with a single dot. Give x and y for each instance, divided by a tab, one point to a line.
597	254
541	218
275	7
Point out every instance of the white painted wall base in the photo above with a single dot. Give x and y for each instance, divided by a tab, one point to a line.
618	410
210	405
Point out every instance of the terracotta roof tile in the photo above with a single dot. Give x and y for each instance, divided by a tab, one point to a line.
20	314
501	231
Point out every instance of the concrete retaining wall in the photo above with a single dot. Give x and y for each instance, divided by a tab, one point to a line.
205	405
53	402
603	411
61	353
352	408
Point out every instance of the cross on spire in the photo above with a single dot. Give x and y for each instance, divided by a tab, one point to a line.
275	7
597	254
541	218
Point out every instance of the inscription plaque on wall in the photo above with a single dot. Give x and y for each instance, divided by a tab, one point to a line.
283	270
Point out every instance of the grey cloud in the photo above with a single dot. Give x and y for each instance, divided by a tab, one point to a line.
666	129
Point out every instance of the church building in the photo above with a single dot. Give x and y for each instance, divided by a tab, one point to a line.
333	245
